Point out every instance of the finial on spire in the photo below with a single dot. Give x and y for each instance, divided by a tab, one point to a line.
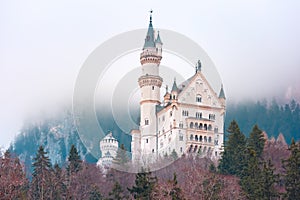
198	66
151	11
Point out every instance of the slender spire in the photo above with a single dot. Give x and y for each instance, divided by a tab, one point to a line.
174	88
149	41
158	40
222	93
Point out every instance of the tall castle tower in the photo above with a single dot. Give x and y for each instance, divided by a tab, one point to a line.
150	83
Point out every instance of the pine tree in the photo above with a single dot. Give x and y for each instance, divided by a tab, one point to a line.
174	155
176	192
256	141
58	179
95	193
41	177
268	181
117	192
232	160
121	158
74	161
251	176
144	184
292	177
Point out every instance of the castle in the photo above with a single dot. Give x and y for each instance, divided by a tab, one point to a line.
189	119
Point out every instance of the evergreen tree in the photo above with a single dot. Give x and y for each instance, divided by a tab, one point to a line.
174	155
121	158
117	192
269	180
41	177
75	162
59	187
292	177
176	192
232	160
144	184
95	193
251	176
256	141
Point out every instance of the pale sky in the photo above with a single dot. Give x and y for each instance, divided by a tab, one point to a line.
254	45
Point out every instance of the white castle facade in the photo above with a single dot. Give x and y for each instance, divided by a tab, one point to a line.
189	119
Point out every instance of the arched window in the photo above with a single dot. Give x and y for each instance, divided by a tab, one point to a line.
152	87
205	139
201	126
209	127
146	121
205	127
200	138
180	124
196	125
196	137
209	139
191	137
191	125
216	130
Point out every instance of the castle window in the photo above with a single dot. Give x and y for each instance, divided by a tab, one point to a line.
170	113
152	87
205	139
216	130
146	121
198	98
152	150
196	137
180	137
180	149
212	116
147	140
191	137
200	138
185	113
209	127
201	126
191	125
209	139
198	115
196	125
173	96
205	127
181	124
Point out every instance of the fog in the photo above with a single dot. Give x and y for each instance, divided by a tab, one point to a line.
254	45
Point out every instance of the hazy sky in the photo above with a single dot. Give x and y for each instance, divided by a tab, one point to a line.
254	45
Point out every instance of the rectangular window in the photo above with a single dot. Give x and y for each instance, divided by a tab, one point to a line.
147	141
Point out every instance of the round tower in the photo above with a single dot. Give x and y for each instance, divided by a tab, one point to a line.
150	83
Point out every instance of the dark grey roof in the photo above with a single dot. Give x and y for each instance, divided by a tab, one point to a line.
149	40
174	87
158	40
222	93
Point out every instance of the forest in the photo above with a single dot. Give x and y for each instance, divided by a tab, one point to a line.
247	170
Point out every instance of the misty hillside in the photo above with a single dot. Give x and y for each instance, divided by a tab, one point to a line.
59	133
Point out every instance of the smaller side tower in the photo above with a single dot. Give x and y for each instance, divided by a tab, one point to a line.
108	148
